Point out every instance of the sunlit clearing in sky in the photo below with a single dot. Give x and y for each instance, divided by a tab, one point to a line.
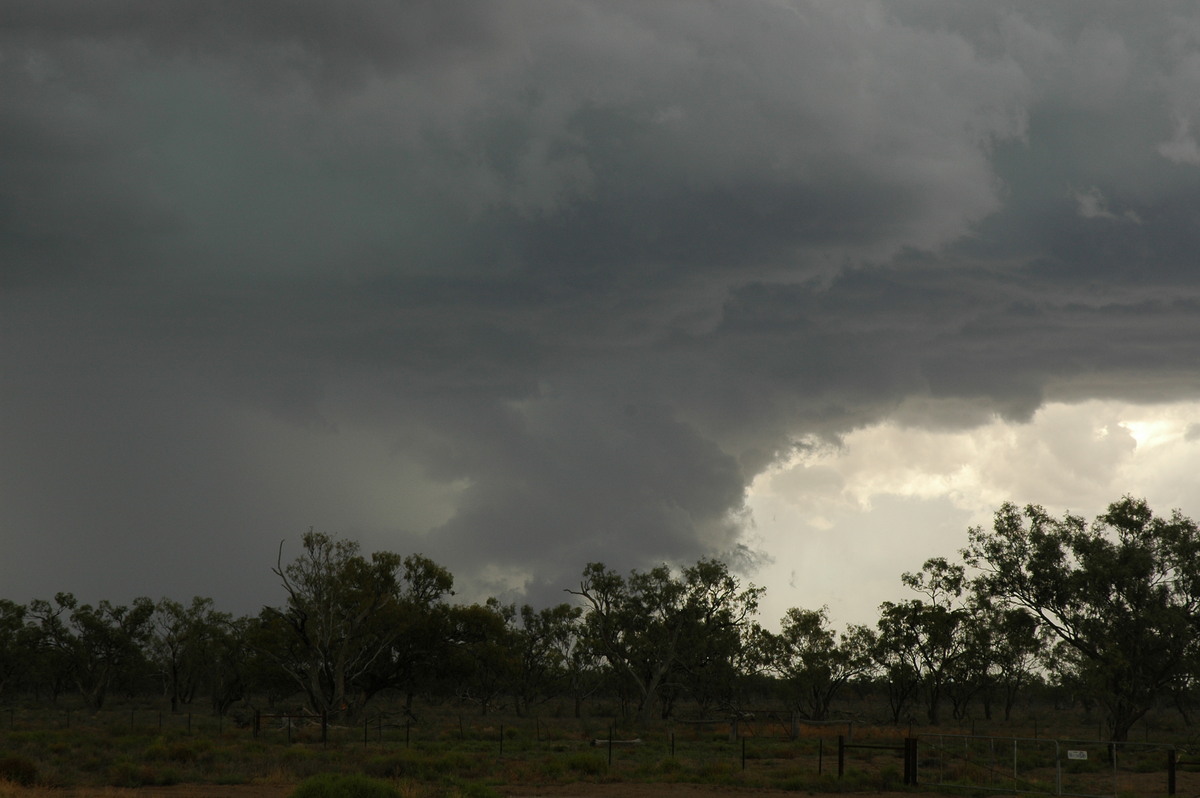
842	523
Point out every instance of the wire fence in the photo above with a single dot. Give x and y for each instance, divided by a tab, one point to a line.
766	742
772	744
1040	766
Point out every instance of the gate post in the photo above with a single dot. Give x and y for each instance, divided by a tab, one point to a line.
910	761
841	755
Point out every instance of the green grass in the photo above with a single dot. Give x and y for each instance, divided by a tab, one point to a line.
451	754
331	785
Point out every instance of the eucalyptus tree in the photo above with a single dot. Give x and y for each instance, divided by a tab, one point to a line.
654	625
346	617
1121	594
185	646
484	654
96	648
891	654
1010	647
52	656
227	680
813	661
421	626
544	642
585	671
924	643
17	645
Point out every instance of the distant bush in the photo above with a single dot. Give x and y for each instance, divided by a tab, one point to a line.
332	785
18	769
586	764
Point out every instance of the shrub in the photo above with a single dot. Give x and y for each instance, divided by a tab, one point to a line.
473	789
420	767
586	764
124	773
18	769
331	785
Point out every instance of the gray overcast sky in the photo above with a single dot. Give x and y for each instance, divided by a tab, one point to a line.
524	285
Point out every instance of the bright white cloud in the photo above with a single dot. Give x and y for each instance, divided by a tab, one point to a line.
843	523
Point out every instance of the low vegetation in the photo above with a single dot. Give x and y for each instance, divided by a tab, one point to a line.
369	669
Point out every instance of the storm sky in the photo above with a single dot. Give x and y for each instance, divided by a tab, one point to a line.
808	286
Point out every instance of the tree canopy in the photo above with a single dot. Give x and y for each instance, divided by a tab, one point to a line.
1107	610
1121	595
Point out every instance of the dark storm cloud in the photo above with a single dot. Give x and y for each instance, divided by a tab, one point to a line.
526	285
355	35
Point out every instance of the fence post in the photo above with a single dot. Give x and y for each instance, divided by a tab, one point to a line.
257	721
324	727
1112	757
841	755
910	761
820	755
1170	771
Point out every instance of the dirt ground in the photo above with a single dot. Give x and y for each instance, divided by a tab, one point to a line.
584	790
576	790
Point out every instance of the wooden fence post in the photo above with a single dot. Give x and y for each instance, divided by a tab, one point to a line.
910	761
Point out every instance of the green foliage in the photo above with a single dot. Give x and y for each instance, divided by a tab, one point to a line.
472	789
97	649
333	785
418	766
194	649
1121	596
814	662
352	626
543	648
585	764
927	643
660	632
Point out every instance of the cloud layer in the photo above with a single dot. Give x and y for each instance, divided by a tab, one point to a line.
523	287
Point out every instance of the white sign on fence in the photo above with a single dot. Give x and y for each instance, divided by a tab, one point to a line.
1076	754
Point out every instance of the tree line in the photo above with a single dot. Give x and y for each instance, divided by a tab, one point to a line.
1107	612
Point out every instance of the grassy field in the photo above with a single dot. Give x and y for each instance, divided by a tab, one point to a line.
448	753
